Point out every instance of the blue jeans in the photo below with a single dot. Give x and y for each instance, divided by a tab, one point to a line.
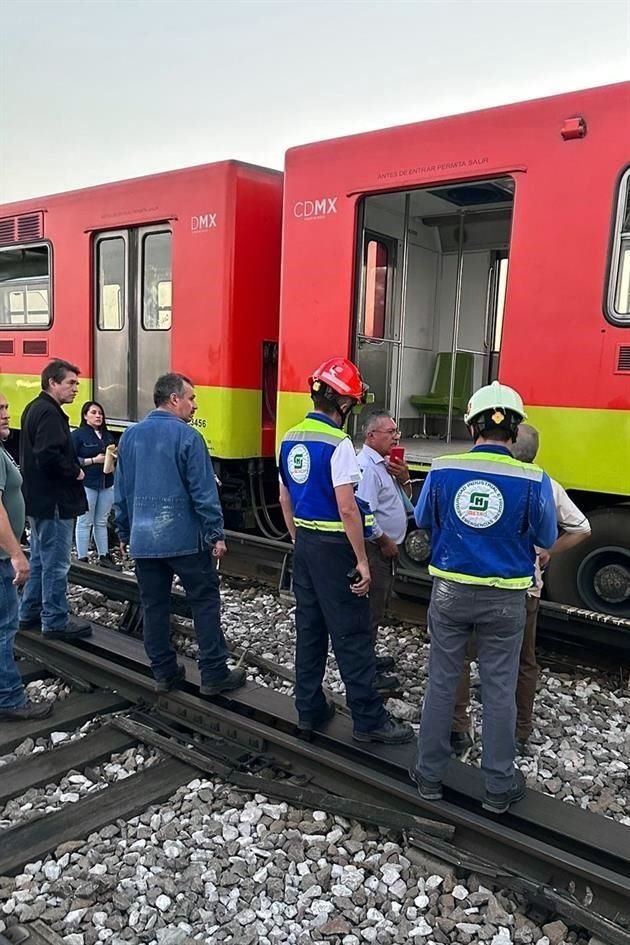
100	502
498	619
44	596
201	582
11	688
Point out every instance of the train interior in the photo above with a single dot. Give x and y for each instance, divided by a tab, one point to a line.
433	272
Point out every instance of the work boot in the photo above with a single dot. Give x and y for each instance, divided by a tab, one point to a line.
391	732
73	630
26	712
31	624
428	790
460	742
383	682
105	561
83	560
305	729
234	679
384	663
172	682
499	803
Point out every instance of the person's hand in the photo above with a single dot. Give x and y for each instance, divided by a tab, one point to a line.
360	588
80	475
22	568
99	459
398	469
123	549
544	557
388	548
219	549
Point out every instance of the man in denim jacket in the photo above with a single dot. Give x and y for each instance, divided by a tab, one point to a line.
167	508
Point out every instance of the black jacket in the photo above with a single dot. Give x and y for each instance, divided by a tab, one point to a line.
48	462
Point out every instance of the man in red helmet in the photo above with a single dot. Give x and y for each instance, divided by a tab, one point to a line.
331	577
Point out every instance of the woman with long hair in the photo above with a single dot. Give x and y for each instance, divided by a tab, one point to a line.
92	442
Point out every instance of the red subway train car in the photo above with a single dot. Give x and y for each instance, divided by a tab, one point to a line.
494	244
176	271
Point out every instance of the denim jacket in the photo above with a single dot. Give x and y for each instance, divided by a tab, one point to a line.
166	502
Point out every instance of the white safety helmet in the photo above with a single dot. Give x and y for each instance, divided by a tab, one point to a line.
495	405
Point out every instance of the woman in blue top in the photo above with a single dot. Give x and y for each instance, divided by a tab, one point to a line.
91	440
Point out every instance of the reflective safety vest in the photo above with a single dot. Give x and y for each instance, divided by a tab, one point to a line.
486	511
305	454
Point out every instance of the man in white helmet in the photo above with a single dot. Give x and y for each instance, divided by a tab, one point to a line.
486	512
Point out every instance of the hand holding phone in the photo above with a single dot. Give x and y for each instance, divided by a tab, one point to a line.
397	454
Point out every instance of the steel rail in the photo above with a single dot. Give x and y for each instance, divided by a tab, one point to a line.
547	846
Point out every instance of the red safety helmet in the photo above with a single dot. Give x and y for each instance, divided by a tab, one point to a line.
342	377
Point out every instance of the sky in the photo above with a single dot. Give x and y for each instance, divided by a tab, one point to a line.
100	90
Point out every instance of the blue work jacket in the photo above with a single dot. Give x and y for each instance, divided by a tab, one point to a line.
166	502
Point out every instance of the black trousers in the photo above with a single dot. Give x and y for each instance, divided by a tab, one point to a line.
326	607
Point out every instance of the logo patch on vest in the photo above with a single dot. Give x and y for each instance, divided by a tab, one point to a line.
299	463
479	504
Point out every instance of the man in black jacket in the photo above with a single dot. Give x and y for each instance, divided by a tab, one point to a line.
54	496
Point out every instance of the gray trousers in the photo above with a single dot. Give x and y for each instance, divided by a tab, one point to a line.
498	617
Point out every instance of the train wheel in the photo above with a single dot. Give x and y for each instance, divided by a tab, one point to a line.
415	550
596	574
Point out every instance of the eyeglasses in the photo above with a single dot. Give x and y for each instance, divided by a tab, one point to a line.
393	431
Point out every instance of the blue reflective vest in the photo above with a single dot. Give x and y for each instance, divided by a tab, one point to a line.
486	511
305	455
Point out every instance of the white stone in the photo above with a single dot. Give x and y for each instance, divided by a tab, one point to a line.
433	881
369	934
469	928
99	919
173	849
321	907
74	916
246	917
75	938
421	901
373	915
58	737
229	832
319	815
460	892
260	876
9	906
503	937
350	940
341	890
163	902
52	871
398	889
99	869
390	874
423	928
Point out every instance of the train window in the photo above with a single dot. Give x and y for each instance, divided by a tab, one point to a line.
25	287
156	281
110	256
619	285
375	289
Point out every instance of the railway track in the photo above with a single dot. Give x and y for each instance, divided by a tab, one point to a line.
559	857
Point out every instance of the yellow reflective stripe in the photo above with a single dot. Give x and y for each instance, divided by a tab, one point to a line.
318	526
508	584
369	519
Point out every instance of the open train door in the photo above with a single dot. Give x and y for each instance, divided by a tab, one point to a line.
132	316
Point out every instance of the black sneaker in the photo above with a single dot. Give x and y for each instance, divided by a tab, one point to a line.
391	732
499	803
26	712
83	560
105	561
74	630
30	624
428	790
172	682
460	742
384	663
232	680
306	729
386	682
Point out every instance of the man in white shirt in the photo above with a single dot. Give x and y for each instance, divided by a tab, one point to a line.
386	487
573	527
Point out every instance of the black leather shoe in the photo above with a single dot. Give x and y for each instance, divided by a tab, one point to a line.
23	713
306	729
391	732
105	561
428	790
232	680
172	682
499	803
30	625
384	663
74	630
460	742
386	682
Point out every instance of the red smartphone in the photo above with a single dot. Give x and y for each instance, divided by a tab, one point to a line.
397	454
